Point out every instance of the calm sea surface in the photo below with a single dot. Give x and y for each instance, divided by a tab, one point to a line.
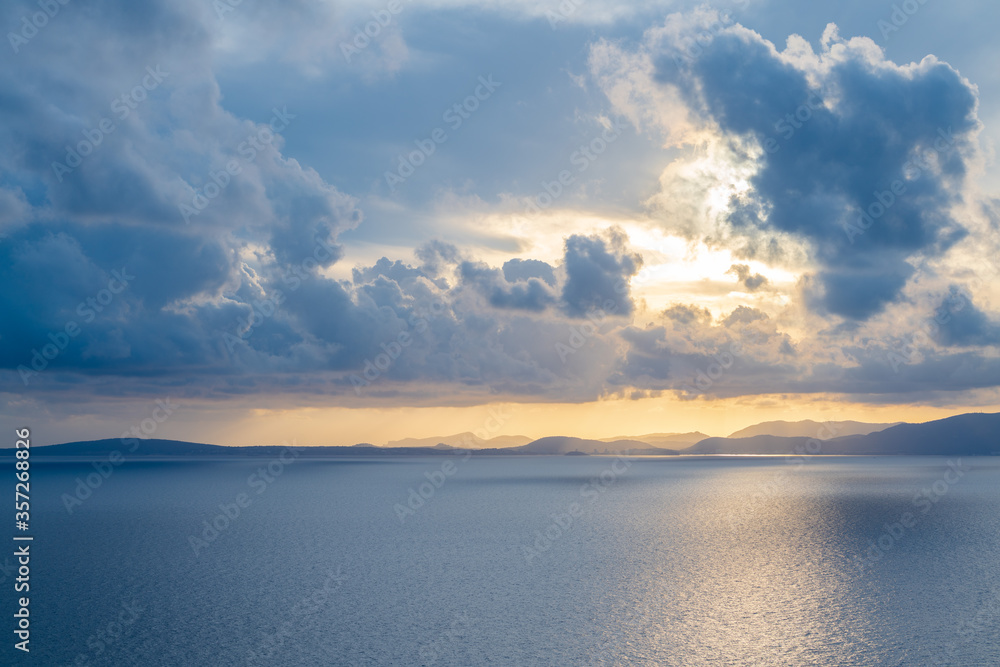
516	561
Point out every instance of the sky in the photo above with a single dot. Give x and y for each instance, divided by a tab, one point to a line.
249	222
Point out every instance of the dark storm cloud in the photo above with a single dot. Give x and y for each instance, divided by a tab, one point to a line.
208	314
743	315
436	254
396	271
525	269
862	158
961	323
689	352
531	294
744	353
752	281
687	314
597	273
116	285
100	268
645	358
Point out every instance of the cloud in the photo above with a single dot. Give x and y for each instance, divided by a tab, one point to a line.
690	353
961	323
526	269
862	159
597	273
530	294
104	166
435	255
752	282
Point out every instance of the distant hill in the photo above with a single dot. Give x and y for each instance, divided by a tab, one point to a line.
963	435
758	444
808	428
145	447
561	444
663	440
155	448
467	440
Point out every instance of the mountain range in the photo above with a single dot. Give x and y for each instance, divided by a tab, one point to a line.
467	440
561	444
677	441
807	428
962	435
664	440
966	435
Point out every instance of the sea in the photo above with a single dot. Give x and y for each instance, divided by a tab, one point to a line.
454	559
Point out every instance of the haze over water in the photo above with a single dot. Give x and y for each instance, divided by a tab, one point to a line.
679	561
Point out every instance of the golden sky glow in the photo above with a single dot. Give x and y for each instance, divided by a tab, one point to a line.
348	426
